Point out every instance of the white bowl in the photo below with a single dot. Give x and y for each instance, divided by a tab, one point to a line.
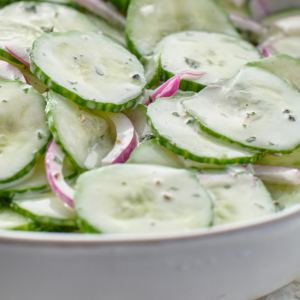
236	262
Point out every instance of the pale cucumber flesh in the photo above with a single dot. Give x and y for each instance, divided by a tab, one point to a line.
256	109
141	198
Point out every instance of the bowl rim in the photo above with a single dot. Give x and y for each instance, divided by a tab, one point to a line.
79	239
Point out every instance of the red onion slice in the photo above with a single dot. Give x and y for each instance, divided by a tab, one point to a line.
170	87
125	142
265	53
19	53
105	10
54	164
10	72
275	174
247	24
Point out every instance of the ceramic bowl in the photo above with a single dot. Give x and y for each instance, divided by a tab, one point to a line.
236	262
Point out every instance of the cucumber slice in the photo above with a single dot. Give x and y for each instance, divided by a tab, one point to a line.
177	132
284	66
90	138
148	22
285	196
19	36
98	75
23	127
47	16
138	117
128	198
279	15
108	29
38	180
35	19
237	198
152	153
291	160
45	209
255	109
14	221
217	55
152	66
238	7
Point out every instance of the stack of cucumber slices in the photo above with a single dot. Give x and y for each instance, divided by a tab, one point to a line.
148	116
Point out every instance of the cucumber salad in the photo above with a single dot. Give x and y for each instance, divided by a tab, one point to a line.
147	115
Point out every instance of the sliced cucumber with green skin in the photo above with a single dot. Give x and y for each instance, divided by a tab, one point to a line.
284	66
90	138
99	74
138	117
151	152
255	109
18	36
47	16
38	180
237	198
152	66
108	29
218	56
44	208
35	19
179	133
11	220
147	23
126	198
284	196
23	127
279	15
291	160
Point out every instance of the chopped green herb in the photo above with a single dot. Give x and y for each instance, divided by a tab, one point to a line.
123	183
75	82
175	114
192	63
251	114
196	195
245	126
31	8
102	136
40	136
227	186
74	89
4	101
99	72
174	189
57	160
47	30
147	137
26	90
251	139
271	144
